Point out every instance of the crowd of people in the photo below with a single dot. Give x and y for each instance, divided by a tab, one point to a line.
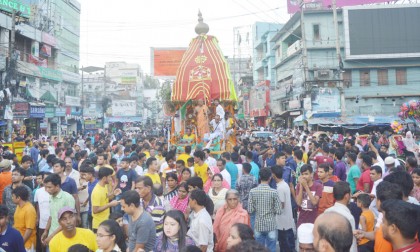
130	192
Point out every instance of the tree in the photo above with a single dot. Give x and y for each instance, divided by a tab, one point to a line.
150	82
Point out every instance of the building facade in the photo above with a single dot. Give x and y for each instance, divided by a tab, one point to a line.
40	66
263	72
368	80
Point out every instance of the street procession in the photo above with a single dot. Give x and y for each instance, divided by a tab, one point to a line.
210	126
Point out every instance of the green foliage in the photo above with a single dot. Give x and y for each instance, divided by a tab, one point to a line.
150	82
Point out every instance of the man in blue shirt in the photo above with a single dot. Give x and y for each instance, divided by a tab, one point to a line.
231	168
255	170
34	152
87	172
10	239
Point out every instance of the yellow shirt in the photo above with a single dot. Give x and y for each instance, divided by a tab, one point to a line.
155	178
83	236
25	218
184	157
99	198
189	137
147	154
201	171
305	158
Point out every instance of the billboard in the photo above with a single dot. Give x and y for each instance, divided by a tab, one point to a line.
123	108
376	32
293	6
165	61
325	101
24	6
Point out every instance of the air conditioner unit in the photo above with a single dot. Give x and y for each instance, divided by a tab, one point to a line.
325	74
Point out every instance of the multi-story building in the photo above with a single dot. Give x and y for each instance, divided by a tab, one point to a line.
263	73
113	93
42	69
376	72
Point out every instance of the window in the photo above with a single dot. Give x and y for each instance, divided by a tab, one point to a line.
401	75
317	35
364	77
347	78
382	77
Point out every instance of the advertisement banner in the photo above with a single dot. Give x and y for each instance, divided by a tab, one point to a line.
49	111
72	101
20	110
293	6
124	108
90	124
60	111
165	61
37	111
325	100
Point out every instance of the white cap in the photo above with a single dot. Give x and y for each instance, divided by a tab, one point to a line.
305	235
389	160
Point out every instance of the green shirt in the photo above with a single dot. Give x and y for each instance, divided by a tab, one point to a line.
61	200
354	172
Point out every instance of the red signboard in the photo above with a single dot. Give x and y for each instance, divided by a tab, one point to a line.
293	6
165	61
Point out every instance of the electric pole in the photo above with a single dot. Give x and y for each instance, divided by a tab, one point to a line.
11	69
339	82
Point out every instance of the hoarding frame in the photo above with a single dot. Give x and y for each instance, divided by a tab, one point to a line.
152	60
372	56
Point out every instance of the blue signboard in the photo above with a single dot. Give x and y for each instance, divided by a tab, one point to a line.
37	111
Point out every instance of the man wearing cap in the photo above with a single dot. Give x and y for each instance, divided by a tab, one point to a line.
389	165
71	234
305	237
5	175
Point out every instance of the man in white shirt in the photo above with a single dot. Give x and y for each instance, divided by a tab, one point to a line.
201	226
376	177
285	221
42	204
221	163
341	191
210	161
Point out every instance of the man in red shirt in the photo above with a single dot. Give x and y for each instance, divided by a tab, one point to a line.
323	158
365	183
400	224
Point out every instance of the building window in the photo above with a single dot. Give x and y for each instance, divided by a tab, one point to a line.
382	77
364	77
401	75
347	78
317	34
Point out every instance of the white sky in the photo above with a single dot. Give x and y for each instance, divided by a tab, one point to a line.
124	30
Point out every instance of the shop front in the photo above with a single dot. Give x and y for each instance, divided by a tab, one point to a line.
35	124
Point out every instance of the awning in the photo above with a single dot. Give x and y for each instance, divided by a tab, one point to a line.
352	121
123	119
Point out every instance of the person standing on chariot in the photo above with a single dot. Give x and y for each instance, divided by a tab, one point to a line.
201	112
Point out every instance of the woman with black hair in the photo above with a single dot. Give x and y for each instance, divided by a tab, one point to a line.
174	237
110	237
239	232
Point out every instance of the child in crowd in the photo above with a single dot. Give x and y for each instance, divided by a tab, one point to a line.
366	222
416	179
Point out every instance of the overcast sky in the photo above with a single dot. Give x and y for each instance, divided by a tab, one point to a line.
124	30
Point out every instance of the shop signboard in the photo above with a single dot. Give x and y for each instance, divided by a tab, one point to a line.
124	108
50	74
72	101
24	6
90	124
60	111
20	110
37	111
49	111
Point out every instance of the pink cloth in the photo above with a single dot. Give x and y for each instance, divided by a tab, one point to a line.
214	170
179	204
225	218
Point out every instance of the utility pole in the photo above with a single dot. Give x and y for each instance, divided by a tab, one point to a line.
306	84
104	109
340	83
11	69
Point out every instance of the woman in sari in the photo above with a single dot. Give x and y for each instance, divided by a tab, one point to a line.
211	171
201	112
228	215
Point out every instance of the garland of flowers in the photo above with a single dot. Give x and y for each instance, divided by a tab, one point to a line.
410	110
